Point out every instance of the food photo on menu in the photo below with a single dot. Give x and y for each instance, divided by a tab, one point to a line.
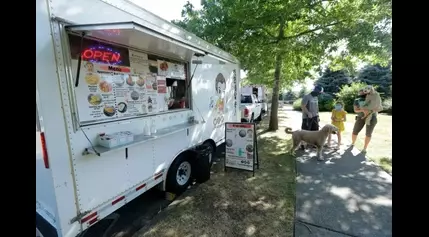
130	81
119	81
149	104
122	107
94	99
109	110
141	81
163	68
105	87
91	77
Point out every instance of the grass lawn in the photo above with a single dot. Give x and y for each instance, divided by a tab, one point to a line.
380	147
235	203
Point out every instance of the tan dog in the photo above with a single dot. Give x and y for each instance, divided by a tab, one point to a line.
372	103
317	138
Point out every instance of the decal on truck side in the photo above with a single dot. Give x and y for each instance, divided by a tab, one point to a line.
217	102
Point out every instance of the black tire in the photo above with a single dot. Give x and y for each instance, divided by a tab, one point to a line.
213	152
252	119
172	184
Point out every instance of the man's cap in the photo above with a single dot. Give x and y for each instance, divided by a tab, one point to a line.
318	89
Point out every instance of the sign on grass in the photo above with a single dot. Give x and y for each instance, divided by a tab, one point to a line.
241	147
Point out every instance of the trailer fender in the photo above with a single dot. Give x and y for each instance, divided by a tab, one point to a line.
211	143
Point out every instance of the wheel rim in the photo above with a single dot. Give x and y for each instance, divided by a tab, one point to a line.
183	173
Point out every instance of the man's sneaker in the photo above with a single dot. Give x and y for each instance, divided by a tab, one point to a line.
320	158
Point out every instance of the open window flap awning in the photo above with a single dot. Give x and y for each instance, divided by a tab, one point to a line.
137	36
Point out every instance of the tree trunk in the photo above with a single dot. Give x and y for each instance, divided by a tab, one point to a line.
274	120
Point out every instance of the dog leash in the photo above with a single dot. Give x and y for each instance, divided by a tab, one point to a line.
310	122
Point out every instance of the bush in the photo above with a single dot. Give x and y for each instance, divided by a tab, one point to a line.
326	103
387	106
348	94
290	95
297	104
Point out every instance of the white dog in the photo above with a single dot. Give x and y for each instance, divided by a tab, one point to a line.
372	103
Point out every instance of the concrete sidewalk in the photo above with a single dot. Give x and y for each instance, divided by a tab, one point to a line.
345	195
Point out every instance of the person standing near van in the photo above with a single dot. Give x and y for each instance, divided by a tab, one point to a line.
310	110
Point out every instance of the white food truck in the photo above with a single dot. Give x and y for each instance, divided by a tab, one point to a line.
122	98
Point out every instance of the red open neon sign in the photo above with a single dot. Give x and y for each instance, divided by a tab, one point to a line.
101	54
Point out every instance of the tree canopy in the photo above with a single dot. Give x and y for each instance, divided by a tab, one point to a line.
379	76
279	41
332	81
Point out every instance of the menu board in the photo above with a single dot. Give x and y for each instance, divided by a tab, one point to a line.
107	91
171	70
240	146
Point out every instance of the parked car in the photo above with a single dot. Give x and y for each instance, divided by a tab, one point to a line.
251	108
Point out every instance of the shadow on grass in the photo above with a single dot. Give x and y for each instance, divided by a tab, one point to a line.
233	203
262	127
386	161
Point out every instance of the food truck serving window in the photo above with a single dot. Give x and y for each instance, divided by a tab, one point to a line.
118	83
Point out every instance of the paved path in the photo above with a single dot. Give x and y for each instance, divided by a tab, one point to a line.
342	196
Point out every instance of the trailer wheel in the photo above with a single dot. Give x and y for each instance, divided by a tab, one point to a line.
212	152
179	175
